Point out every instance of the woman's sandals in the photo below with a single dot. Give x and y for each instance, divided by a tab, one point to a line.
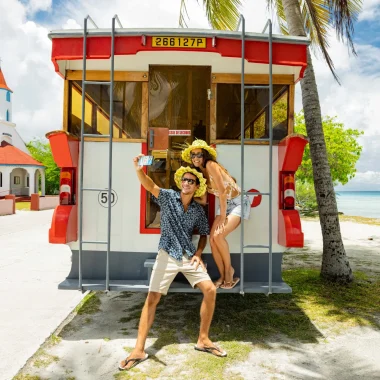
230	285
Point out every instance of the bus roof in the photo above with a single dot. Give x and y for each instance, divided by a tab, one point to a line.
135	50
236	35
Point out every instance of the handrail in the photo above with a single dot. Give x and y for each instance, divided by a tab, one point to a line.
242	122
242	140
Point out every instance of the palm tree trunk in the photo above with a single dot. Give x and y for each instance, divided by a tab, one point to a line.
335	264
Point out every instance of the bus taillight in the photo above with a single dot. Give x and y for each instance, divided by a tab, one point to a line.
288	188
66	187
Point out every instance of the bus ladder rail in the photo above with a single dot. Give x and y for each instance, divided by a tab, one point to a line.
83	136
270	140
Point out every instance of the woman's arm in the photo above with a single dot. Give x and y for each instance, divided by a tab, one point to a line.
214	170
202	200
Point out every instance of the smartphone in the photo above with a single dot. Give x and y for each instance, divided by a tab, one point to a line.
145	160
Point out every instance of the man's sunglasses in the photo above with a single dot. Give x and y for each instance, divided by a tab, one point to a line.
198	155
190	181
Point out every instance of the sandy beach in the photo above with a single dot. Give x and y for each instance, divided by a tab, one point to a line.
361	241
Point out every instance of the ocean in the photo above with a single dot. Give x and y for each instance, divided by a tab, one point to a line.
359	203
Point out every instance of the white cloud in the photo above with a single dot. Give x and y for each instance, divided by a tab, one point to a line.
365	181
37	102
356	102
71	24
34	6
370	10
29	72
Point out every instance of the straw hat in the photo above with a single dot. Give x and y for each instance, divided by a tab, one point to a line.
202	182
197	144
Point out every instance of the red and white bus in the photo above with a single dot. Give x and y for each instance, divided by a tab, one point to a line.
171	86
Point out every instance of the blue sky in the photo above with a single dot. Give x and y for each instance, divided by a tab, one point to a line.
37	108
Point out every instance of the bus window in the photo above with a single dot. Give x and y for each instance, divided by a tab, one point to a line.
178	104
256	112
127	109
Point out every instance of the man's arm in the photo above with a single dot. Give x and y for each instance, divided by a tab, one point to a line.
145	181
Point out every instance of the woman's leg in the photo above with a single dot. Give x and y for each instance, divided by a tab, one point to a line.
216	254
233	222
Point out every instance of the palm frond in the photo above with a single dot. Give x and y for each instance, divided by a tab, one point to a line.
316	25
222	14
343	14
278	7
183	15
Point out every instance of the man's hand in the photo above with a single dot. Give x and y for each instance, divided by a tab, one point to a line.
198	261
136	161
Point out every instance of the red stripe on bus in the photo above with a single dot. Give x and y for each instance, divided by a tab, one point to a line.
256	51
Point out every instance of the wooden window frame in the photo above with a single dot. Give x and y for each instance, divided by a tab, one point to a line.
119	76
249	79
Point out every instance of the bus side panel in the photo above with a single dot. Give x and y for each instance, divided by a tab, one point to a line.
256	176
125	235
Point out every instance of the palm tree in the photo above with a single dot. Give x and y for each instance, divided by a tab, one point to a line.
312	18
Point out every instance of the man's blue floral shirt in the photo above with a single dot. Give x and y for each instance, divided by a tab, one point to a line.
177	225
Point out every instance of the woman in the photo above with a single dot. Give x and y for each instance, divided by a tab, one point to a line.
228	216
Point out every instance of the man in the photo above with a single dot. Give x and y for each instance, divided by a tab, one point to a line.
180	214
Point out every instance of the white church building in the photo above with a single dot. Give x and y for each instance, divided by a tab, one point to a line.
20	174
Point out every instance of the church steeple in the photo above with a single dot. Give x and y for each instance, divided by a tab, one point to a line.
3	83
5	99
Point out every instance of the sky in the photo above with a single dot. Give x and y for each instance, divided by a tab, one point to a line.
38	91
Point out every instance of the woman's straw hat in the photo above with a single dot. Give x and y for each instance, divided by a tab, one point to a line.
197	144
202	182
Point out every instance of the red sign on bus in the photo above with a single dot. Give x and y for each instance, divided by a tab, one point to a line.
179	132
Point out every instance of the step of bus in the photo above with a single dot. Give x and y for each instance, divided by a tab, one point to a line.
175	287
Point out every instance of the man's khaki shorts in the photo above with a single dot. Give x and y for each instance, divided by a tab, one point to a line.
166	268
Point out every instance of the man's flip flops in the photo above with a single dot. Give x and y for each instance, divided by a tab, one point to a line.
216	351
135	363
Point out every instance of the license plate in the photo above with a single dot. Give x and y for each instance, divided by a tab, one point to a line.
179	42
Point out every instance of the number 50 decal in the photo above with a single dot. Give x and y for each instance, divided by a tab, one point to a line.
103	198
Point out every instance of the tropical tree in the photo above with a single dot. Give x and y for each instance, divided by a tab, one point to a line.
312	18
343	150
41	151
315	18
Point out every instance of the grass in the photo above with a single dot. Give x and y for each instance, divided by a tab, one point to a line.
89	305
26	377
43	359
326	303
23	206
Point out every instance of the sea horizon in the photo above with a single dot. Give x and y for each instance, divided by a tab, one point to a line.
365	203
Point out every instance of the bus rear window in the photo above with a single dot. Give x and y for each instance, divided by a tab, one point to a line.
127	106
256	112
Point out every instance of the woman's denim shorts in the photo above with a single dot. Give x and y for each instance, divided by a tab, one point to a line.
234	207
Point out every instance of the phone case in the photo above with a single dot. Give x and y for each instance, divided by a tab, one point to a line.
145	160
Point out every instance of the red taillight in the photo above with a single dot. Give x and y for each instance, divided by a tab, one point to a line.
66	187
288	191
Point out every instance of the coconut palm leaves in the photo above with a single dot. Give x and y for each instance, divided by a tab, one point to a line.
319	18
221	14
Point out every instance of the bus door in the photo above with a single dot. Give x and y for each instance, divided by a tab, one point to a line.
179	112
